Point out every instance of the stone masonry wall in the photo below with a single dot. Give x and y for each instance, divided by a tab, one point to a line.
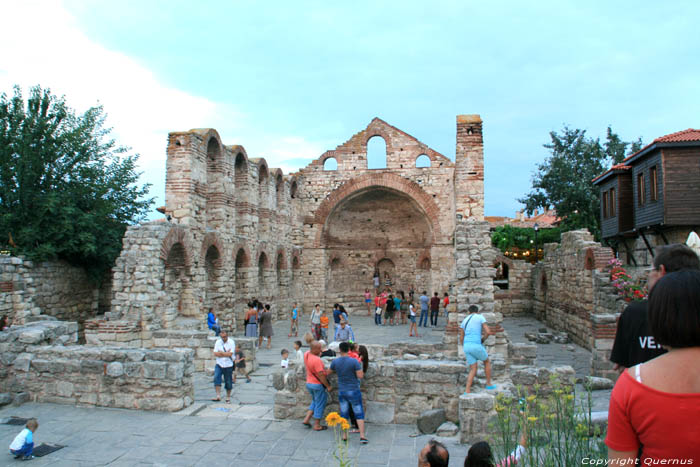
50	288
517	299
573	295
34	359
393	392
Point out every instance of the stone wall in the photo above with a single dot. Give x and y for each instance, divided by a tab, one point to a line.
515	297
52	288
125	334
42	360
573	294
393	392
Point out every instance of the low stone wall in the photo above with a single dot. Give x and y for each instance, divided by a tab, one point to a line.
393	392
34	360
125	334
477	414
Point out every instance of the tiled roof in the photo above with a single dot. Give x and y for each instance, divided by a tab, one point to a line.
680	136
545	220
685	136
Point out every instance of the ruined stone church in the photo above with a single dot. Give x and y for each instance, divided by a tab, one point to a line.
236	228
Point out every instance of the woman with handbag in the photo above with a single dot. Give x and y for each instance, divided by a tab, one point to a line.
472	333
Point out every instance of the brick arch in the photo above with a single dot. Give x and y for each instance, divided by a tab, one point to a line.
176	235
296	256
379	180
503	259
267	264
281	251
211	239
207	134
246	251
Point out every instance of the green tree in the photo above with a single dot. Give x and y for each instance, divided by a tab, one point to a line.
563	180
67	190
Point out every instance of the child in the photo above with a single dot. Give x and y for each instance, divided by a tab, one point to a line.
299	355
285	358
240	365
23	444
324	325
412	316
294	327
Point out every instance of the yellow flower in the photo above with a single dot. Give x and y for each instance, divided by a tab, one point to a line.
552	416
558	392
532	419
345	425
531	398
333	419
569	397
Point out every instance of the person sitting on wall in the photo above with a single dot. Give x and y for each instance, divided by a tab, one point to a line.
634	342
213	322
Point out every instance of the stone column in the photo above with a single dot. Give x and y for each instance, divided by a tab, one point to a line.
476	412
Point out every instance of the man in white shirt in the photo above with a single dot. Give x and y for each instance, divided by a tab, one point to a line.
223	351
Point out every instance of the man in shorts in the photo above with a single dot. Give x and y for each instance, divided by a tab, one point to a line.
350	373
470	336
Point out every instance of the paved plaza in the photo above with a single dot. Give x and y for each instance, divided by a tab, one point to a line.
244	432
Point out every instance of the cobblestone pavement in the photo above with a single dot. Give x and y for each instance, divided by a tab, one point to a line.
244	432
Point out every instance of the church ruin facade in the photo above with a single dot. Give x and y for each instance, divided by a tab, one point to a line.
236	228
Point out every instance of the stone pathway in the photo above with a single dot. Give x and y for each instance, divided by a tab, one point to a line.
243	433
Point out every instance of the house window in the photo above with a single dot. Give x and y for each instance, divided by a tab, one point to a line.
612	202
653	179
605	204
641	191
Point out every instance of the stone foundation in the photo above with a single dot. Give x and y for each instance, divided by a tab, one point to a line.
35	360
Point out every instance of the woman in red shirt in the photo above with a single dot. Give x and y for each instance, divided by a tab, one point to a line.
655	406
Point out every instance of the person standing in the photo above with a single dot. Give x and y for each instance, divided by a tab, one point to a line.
445	302
377	310
390	310
434	309
251	320
316	322
350	372
424	300
265	327
412	329
324	325
317	384
294	325
224	349
397	309
368	302
634	343
375	280
240	366
471	330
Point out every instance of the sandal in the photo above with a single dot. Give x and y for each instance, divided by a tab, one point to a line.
228	401
354	430
364	441
323	427
307	425
216	399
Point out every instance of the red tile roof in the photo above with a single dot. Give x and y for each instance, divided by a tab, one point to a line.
685	136
680	136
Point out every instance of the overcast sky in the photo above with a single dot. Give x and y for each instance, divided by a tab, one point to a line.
289	80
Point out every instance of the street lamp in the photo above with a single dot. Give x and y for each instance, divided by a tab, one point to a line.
537	228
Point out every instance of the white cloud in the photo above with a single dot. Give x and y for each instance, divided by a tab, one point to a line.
43	45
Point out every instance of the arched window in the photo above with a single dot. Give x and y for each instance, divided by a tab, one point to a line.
241	170
376	153
425	264
279	190
422	161
280	267
293	190
262	265
330	164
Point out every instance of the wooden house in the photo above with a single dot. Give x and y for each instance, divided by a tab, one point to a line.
655	192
